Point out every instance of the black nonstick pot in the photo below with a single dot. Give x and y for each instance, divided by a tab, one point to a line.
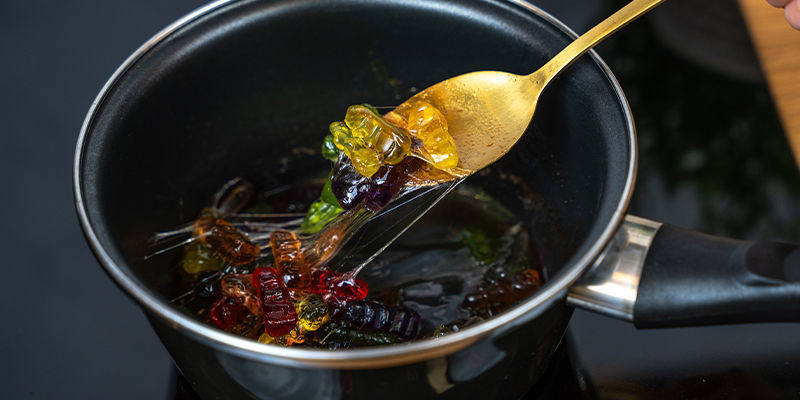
245	88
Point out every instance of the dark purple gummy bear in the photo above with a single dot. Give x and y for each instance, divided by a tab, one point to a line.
367	314
207	288
349	186
388	181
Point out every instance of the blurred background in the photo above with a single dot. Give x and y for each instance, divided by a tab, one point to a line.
714	157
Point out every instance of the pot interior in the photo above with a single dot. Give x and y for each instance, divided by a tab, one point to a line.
232	92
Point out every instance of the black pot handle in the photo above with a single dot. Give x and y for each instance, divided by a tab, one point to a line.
661	276
691	278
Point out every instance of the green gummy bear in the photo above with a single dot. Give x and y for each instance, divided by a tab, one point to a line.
327	194
480	245
320	213
329	150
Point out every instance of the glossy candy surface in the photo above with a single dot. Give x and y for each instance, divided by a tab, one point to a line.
227	242
368	140
276	305
312	312
336	336
372	315
322	211
227	312
241	287
207	288
329	150
291	265
348	186
336	289
199	257
429	126
351	188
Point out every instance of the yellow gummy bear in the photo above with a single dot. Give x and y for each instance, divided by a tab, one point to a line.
369	141
312	312
200	257
296	335
429	126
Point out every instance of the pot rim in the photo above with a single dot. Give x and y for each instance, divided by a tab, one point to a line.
378	357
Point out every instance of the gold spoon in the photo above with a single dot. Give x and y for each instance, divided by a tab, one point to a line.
488	111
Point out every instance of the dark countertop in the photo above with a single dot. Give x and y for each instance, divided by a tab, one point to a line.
73	334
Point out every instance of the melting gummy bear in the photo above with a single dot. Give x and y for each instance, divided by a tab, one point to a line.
336	289
495	295
227	312
336	336
429	126
276	306
480	246
241	287
369	314
312	312
199	257
286	248
322	211
296	335
368	140
352	189
329	150
230	244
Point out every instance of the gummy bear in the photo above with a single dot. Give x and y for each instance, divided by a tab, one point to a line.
432	140
336	336
276	306
241	287
368	140
230	244
389	181
207	288
233	197
296	335
429	126
286	248
322	211
329	150
336	289
319	214
312	312
227	312
495	295
369	314
480	246
351	188
199	257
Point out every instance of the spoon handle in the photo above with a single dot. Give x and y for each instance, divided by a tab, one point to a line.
619	19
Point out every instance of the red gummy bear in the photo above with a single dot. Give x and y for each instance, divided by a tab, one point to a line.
336	289
227	311
280	316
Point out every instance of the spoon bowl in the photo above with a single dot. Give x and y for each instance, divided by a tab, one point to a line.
488	111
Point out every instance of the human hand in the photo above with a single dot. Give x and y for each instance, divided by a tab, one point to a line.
791	9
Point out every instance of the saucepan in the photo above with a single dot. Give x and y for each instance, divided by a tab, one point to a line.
248	87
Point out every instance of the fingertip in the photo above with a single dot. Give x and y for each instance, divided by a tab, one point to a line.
792	13
778	3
